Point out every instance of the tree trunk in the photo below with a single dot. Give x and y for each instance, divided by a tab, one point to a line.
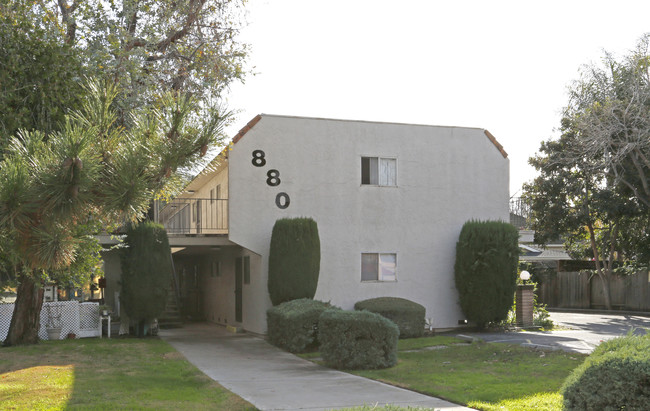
604	279
26	319
604	276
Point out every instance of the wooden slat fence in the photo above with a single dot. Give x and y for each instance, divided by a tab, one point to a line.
584	290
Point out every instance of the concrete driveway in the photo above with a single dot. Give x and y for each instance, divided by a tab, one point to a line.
587	330
272	379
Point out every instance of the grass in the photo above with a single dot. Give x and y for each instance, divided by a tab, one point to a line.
483	376
105	374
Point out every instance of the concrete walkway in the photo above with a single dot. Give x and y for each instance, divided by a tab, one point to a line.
272	379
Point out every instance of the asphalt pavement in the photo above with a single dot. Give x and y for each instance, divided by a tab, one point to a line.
584	331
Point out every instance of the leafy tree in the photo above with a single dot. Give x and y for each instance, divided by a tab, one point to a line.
609	111
146	272
593	189
39	73
149	46
94	174
294	260
80	173
487	254
575	201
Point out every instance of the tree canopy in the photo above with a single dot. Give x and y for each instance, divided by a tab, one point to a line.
609	110
40	75
592	190
144	46
94	174
76	161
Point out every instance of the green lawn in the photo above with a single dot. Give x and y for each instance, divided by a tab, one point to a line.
483	376
123	373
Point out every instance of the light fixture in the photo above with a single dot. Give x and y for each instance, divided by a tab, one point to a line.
525	276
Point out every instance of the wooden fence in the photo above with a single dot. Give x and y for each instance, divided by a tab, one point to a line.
585	290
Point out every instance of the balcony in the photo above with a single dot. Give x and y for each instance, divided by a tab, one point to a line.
193	216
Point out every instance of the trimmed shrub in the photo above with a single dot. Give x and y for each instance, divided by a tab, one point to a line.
487	254
615	376
293	326
146	273
294	260
408	315
357	340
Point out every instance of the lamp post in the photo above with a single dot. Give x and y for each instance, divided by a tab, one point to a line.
524	302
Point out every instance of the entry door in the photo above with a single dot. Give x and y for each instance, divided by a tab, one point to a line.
238	289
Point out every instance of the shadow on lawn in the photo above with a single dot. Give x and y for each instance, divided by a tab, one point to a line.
123	373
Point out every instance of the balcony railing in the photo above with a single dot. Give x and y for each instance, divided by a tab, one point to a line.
193	215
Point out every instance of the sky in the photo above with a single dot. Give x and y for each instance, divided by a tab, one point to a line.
504	66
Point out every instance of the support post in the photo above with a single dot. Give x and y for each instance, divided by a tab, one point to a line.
524	302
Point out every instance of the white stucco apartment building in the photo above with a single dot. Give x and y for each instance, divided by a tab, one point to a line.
389	199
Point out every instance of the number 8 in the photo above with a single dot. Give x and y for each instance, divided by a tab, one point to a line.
258	158
273	178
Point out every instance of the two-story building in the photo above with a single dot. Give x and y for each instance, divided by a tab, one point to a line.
389	199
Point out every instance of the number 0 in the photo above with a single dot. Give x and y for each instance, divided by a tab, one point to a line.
282	200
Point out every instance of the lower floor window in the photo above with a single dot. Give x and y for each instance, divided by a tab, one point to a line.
378	267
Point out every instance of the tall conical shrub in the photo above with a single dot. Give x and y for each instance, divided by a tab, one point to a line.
146	272
294	260
487	254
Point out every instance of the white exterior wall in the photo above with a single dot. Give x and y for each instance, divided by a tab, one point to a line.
220	177
218	289
445	176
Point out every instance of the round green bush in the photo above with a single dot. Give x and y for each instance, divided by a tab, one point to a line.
293	325
357	340
615	376
408	315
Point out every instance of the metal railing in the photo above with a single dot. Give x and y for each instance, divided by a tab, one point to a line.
193	215
519	213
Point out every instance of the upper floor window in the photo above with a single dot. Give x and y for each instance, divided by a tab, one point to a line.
378	267
379	171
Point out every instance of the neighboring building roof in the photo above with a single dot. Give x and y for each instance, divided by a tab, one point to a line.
537	253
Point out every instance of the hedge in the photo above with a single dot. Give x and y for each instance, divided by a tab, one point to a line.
408	315
146	272
357	340
293	326
615	376
487	254
294	260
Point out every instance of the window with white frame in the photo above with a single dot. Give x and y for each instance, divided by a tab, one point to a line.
378	267
379	171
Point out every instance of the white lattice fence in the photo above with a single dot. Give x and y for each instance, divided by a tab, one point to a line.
81	319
